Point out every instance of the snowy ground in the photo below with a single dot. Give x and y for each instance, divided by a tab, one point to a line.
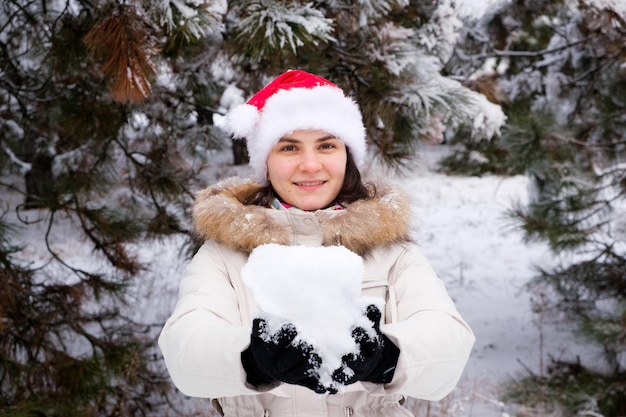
484	264
473	247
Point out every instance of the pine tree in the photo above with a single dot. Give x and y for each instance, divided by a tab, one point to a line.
563	79
97	147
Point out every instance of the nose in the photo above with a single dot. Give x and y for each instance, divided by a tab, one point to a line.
310	162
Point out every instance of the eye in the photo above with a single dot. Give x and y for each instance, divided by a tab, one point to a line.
328	145
288	148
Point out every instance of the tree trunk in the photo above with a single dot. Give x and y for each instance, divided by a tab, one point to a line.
240	152
39	180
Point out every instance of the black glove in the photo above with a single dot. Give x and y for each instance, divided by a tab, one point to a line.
279	359
376	359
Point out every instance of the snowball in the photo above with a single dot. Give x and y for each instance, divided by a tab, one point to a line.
318	290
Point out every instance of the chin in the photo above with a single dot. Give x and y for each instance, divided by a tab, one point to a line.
311	206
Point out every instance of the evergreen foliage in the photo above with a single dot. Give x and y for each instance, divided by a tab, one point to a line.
569	389
560	66
98	148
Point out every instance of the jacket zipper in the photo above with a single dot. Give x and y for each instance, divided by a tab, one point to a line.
348	411
266	413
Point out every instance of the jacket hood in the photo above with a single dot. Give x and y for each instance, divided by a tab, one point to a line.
220	215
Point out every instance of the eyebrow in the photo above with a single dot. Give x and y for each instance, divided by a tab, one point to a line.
322	139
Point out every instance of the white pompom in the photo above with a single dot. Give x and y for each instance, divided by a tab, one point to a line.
241	120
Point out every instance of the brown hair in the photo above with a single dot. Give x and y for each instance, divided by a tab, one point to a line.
353	189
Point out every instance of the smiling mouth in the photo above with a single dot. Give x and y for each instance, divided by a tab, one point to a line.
309	183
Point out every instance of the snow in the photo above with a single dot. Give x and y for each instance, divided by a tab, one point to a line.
394	49
618	6
277	21
24	166
475	9
323	300
197	17
489	117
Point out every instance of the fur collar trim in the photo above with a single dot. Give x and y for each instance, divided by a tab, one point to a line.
219	215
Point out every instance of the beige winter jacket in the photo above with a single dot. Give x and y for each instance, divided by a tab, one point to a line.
203	339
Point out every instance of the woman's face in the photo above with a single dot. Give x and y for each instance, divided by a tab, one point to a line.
307	168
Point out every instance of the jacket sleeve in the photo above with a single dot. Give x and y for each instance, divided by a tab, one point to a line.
434	341
203	339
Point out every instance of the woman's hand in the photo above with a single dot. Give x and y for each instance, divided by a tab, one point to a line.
279	357
375	359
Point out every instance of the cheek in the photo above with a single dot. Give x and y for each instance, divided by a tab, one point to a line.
339	168
277	169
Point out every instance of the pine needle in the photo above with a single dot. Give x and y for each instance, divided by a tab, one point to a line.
122	42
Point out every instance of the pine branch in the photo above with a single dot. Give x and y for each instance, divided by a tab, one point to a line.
532	54
123	42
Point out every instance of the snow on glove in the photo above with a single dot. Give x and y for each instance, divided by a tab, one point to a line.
280	357
376	356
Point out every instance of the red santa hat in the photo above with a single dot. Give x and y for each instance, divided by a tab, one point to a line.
296	100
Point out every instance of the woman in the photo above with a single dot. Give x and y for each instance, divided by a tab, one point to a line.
306	142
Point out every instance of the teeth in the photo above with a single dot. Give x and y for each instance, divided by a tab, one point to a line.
310	184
